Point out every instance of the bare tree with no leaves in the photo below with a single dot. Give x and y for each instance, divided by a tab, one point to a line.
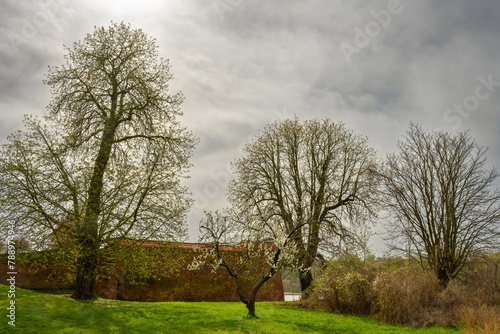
441	199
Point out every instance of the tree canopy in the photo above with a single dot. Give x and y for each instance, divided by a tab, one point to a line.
106	162
315	177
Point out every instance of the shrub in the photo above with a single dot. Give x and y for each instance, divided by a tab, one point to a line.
405	295
389	290
345	287
482	279
480	319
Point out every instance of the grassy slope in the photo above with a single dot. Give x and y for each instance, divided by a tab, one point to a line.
43	313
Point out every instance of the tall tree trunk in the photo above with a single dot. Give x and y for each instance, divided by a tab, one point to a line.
88	232
308	257
86	271
305	275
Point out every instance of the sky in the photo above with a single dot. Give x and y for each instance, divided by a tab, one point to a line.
374	65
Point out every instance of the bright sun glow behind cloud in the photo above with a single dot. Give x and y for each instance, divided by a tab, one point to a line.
243	64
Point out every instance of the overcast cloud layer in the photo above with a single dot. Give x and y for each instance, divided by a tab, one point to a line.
374	65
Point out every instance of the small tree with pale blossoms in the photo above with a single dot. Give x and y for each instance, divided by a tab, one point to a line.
254	238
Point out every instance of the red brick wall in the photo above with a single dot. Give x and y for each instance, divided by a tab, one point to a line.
29	277
174	281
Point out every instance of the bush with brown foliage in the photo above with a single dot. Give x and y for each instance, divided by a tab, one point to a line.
482	279
480	319
472	305
407	294
403	295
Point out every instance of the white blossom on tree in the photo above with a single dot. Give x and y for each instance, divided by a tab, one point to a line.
254	240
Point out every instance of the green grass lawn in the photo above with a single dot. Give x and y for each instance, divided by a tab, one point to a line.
45	313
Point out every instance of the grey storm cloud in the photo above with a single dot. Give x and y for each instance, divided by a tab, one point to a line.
242	64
